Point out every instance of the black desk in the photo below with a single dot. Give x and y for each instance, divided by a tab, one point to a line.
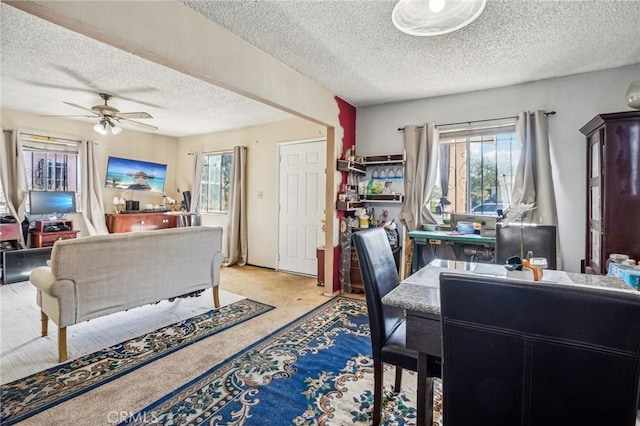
428	245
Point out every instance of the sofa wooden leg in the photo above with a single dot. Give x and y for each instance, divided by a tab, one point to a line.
216	297
45	323
62	344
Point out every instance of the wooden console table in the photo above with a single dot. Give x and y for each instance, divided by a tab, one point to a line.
47	232
134	222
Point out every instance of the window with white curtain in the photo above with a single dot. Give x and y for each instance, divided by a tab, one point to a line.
52	164
476	170
216	182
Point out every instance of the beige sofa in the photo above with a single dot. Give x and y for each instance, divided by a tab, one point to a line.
94	276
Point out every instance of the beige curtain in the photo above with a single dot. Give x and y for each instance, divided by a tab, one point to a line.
196	187
534	181
92	184
421	146
235	250
13	175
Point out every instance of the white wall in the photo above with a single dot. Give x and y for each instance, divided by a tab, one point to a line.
262	168
576	99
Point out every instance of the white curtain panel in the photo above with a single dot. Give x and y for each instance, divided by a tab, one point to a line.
13	175
534	181
196	186
92	202
421	146
235	249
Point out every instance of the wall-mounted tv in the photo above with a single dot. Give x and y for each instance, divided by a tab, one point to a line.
52	202
123	173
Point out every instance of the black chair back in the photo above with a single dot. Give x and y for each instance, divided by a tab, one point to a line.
540	239
379	277
520	353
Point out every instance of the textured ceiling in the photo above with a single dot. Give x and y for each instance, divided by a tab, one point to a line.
350	47
44	64
353	48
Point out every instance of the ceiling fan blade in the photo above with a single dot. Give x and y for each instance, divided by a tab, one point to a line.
80	107
137	124
128	115
77	76
56	115
59	86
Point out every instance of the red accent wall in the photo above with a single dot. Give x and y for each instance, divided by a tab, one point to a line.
347	119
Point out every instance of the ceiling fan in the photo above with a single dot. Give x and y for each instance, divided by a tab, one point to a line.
109	117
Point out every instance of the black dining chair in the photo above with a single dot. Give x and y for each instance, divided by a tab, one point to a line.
524	353
539	239
387	323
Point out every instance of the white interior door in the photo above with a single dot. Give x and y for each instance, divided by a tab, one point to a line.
302	196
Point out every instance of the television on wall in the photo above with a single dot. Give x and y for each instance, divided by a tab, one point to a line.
52	202
124	174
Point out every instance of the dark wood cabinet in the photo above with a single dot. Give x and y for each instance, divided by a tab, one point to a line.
134	222
47	232
613	188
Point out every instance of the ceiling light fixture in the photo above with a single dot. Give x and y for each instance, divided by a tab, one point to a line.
101	127
115	129
633	95
107	124
435	17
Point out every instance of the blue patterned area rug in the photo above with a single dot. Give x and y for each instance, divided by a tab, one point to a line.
28	396
315	371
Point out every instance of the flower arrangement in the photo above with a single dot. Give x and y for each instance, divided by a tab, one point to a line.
518	212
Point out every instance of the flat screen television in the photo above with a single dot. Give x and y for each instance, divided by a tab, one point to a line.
123	174
52	202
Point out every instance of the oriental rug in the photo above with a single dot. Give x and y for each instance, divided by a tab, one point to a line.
317	370
30	395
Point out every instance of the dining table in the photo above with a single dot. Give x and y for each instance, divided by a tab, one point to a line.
419	296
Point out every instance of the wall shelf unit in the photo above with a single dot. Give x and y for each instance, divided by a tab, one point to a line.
371	168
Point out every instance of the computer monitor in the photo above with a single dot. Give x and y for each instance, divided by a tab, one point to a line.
539	239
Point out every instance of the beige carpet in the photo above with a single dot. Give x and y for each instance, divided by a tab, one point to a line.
291	295
23	351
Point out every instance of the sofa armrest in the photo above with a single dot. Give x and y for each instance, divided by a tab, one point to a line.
42	277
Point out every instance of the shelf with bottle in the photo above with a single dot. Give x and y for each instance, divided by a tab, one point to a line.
384	159
382	198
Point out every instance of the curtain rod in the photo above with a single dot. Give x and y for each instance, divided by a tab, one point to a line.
401	129
223	151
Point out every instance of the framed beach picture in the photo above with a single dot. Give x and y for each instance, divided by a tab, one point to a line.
123	173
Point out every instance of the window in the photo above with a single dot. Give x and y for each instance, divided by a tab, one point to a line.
476	172
51	164
216	181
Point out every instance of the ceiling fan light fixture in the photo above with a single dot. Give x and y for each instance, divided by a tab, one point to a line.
435	17
633	95
101	127
115	129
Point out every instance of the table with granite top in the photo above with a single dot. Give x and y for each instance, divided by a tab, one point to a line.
419	295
